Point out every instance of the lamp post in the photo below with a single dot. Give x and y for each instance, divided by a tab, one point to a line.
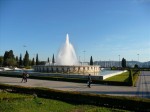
24	46
79	60
119	60
138	57
84	57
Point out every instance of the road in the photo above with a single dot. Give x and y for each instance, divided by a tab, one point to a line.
142	88
143	85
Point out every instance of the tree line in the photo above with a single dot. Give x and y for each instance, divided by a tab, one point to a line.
9	59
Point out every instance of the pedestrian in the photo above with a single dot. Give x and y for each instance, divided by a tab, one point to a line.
26	76
89	81
23	77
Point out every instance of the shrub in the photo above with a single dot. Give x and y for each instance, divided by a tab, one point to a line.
128	103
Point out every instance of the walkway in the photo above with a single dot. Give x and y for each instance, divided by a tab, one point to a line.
142	88
143	85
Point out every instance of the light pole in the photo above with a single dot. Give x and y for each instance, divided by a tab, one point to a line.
24	46
84	57
119	60
79	60
138	57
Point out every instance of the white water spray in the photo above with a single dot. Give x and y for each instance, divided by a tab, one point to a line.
67	55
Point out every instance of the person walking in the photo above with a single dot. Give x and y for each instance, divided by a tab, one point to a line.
89	81
26	76
23	77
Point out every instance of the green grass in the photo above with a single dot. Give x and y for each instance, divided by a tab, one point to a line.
6	95
31	104
120	78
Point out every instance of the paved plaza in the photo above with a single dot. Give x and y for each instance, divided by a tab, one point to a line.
142	88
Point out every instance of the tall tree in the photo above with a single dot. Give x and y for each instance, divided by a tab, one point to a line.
37	59
130	77
1	61
20	61
17	58
26	60
123	63
91	61
11	62
9	59
48	59
10	54
33	62
17	61
5	58
53	59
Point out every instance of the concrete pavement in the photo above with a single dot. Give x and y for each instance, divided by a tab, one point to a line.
142	88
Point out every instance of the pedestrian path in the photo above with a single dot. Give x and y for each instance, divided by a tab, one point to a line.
142	88
143	85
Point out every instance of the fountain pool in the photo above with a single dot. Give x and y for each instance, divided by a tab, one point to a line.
103	74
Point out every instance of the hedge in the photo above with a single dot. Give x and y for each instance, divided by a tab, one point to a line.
121	102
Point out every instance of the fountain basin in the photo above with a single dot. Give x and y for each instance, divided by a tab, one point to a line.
77	69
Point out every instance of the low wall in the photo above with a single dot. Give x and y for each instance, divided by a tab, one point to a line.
66	69
80	76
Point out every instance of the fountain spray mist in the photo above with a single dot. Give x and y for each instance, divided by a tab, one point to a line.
67	55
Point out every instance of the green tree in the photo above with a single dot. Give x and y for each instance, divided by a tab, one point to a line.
20	61
130	78
17	58
33	62
48	60
17	61
91	61
37	59
53	59
8	55
11	62
5	58
123	63
1	61
26	60
136	66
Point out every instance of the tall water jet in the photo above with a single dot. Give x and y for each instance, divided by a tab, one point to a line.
67	55
67	62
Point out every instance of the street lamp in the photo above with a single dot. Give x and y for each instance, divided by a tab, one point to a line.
79	60
84	57
138	57
24	46
119	60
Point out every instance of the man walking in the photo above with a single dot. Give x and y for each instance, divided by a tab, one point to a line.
23	77
89	81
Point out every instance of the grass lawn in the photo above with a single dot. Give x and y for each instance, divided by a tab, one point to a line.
10	102
120	78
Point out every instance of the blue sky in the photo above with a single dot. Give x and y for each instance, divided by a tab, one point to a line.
103	28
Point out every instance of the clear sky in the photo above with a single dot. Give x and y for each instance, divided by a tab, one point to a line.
105	29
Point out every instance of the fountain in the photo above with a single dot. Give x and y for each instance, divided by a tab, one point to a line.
67	62
67	55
